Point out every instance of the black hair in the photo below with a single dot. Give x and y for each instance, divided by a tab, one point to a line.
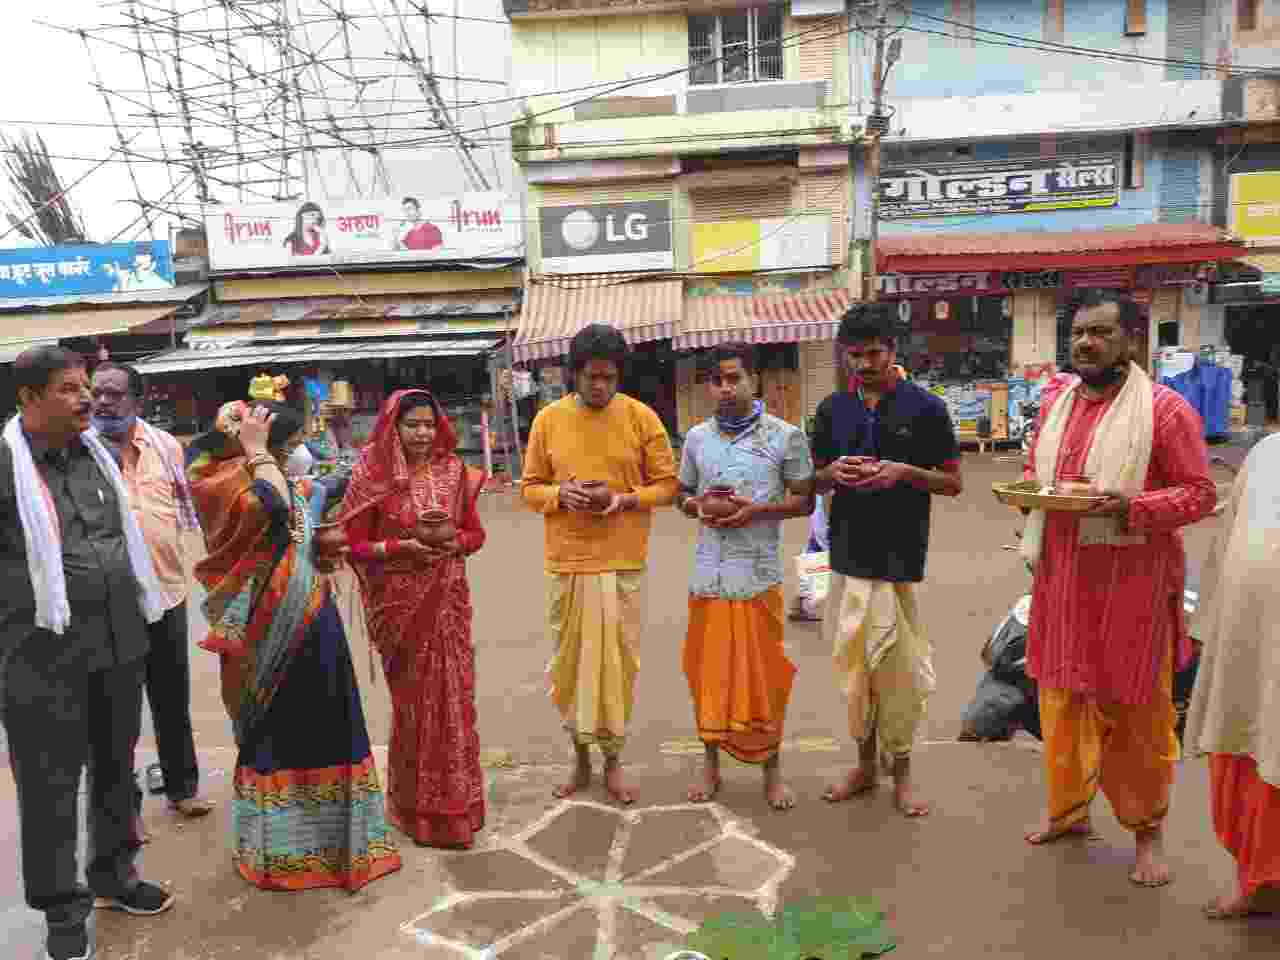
868	321
34	368
415	400
288	421
136	385
1132	319
597	341
413	200
744	353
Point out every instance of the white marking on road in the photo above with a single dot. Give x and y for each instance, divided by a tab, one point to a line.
615	892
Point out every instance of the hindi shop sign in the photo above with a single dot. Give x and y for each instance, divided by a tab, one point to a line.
941	285
1013	186
605	237
33	272
412	228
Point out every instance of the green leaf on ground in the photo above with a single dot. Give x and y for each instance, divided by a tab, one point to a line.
825	928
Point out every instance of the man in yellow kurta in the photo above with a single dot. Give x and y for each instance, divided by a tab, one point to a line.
597	549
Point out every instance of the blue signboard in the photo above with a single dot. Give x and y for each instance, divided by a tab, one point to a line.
85	269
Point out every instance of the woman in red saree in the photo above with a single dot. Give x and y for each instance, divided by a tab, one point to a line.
418	607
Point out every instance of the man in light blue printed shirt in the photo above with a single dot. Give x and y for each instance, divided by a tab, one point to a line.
739	675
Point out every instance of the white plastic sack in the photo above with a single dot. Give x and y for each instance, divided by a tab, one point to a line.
813	573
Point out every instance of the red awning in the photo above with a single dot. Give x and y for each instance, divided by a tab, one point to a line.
1080	249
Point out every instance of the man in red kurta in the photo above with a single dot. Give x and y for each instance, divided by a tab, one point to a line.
1106	631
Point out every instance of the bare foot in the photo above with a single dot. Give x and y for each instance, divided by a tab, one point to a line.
1150	868
707	790
778	793
855	783
1234	907
616	786
580	781
1081	828
905	799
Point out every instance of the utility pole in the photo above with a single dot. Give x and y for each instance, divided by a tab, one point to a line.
877	126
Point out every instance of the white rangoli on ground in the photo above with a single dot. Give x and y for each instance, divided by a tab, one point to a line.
636	893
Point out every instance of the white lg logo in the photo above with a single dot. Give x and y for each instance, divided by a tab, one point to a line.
581	230
635	227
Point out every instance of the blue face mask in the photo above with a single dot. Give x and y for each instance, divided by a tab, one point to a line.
114	427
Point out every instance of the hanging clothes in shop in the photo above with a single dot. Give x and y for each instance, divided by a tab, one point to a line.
1207	387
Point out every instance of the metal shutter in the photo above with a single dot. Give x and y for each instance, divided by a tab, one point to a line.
829	192
1185	38
741	203
1180	185
819	50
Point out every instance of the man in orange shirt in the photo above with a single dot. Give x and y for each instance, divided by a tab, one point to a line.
597	543
152	462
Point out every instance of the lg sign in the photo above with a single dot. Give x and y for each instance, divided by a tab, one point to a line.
614	236
581	230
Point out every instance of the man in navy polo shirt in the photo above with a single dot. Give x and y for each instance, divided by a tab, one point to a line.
885	446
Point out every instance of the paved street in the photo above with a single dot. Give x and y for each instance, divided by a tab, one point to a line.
582	880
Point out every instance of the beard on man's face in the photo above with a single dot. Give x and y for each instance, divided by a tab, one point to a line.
1103	376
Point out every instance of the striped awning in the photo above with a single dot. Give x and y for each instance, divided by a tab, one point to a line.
557	308
762	318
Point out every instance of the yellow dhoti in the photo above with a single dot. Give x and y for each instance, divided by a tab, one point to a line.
593	620
1129	750
739	676
883	663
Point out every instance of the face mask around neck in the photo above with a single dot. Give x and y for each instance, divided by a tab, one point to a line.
115	428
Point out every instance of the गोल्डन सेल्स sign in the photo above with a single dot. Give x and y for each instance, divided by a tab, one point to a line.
923	191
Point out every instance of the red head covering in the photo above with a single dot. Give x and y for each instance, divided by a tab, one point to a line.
382	468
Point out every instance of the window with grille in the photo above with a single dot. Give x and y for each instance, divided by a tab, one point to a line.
741	47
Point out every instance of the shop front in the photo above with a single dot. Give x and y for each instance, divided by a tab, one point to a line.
985	315
117	301
1248	290
341	384
672	323
352	299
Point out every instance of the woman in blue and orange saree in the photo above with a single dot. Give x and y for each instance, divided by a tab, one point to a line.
308	808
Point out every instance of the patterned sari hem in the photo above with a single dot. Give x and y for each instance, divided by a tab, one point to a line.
451	830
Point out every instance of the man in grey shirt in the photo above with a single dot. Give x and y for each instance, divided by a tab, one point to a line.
73	699
758	468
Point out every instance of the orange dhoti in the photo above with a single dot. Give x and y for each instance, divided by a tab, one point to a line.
1246	817
1129	750
739	675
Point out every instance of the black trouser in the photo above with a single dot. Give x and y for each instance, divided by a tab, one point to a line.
60	720
169	693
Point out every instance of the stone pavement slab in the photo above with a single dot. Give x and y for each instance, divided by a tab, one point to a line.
583	878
